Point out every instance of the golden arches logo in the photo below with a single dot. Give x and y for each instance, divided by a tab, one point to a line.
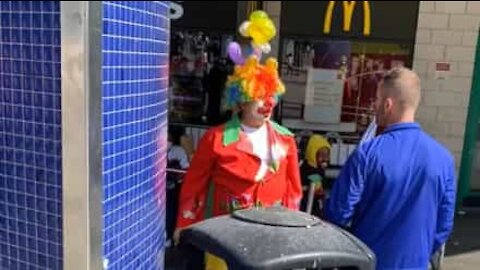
348	9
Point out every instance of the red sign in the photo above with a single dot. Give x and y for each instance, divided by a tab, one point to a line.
442	66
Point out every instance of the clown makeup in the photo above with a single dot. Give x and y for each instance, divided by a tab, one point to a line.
265	108
257	112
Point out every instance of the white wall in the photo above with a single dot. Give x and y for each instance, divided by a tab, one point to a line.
447	32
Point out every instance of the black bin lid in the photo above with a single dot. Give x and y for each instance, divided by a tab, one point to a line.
276	216
277	238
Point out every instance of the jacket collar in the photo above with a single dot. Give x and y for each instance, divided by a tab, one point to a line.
231	132
402	126
278	150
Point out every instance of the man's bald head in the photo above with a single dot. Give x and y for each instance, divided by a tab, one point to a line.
402	85
398	97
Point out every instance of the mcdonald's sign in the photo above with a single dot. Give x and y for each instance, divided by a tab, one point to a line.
395	21
348	9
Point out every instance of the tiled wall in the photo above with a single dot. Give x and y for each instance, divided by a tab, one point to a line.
135	58
135	80
30	136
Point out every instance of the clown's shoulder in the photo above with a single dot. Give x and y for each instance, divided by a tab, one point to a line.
281	129
229	130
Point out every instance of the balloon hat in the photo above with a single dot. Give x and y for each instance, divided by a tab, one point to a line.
251	80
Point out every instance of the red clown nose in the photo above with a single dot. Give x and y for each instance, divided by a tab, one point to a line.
267	107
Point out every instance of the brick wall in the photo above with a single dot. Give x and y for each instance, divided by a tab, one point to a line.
447	32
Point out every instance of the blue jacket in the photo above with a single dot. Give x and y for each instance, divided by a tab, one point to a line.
396	193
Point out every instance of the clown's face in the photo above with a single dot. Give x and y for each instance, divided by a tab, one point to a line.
258	112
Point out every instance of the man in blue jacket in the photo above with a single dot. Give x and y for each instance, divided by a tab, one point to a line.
397	191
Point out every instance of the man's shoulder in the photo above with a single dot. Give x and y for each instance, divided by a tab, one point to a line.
382	143
369	146
441	151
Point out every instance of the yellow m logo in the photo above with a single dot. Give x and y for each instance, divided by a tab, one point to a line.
348	9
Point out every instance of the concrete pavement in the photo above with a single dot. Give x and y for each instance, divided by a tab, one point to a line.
463	248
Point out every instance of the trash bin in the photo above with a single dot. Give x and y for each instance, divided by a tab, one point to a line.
278	238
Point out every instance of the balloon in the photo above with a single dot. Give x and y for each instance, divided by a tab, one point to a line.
266	48
243	29
261	32
261	28
235	53
258	14
255	51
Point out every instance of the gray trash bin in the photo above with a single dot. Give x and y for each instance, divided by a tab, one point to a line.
277	238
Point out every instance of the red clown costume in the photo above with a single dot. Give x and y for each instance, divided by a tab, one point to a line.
233	170
225	158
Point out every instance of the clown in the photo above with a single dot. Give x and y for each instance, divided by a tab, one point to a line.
250	161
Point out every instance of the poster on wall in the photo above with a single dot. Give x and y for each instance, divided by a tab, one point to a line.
357	68
323	97
359	39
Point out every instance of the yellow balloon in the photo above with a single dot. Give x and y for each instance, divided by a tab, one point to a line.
258	14
261	32
260	28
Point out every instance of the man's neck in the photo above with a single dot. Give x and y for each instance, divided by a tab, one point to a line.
403	119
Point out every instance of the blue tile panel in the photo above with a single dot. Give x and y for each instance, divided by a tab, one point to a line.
30	136
135	81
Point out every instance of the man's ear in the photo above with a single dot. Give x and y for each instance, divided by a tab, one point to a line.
388	104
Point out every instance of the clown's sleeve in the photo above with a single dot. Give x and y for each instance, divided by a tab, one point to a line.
294	185
193	194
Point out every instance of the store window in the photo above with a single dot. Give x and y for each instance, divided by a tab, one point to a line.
198	70
334	54
343	76
199	66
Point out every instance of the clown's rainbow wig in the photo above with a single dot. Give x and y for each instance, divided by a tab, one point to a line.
253	81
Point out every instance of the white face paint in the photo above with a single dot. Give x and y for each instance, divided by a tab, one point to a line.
255	110
258	110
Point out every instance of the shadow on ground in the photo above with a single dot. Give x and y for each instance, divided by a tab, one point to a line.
466	234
